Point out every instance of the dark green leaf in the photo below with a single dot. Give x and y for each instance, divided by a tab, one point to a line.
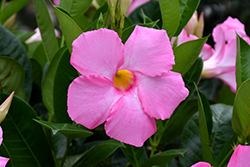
23	35
75	7
226	95
11	76
242	61
69	27
135	155
39	55
187	7
24	141
185	110
205	124
241	111
11	8
10	46
186	54
48	83
170	12
66	129
98	153
37	72
163	158
46	29
64	75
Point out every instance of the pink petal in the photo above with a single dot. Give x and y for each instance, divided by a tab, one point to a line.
135	4
1	135
206	52
128	122
56	2
148	51
201	164
240	157
229	79
98	52
219	38
162	94
90	99
3	161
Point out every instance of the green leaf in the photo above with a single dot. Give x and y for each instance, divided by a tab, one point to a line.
66	129
46	29
23	35
135	155
11	8
100	22
205	124
69	27
226	95
242	61
222	126
98	153
173	128
49	79
170	11
24	141
11	76
10	46
39	55
187	8
75	7
241	111
163	158
186	54
64	75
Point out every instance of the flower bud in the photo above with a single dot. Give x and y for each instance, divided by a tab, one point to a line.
191	25
5	106
200	26
124	6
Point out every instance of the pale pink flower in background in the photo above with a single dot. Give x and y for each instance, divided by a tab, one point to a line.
56	2
135	4
201	164
3	160
240	157
195	26
126	85
37	36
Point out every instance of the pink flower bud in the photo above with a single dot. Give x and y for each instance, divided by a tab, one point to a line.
5	106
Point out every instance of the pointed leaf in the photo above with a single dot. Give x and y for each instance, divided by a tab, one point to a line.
46	29
170	13
163	158
69	27
135	155
24	141
186	54
241	111
66	129
10	46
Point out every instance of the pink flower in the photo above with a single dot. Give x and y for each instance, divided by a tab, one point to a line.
222	63
3	160
135	4
126	85
240	157
37	36
201	164
56	2
195	26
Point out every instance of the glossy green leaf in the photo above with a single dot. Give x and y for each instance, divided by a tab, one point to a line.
135	155
69	27
39	55
64	75
23	35
186	54
75	7
66	129
242	61
241	111
226	95
187	8
222	127
173	128
11	76
11	8
98	153
163	158
205	124
24	141
46	29
170	12
10	46
48	83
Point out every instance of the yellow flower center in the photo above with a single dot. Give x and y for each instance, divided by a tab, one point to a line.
123	79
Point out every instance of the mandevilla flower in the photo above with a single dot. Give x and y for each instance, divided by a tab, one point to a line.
3	160
240	158
135	4
126	85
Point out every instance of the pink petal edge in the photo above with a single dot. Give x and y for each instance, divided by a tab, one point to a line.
240	157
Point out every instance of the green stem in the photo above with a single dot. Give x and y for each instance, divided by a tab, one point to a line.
69	140
51	116
95	4
62	41
106	19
